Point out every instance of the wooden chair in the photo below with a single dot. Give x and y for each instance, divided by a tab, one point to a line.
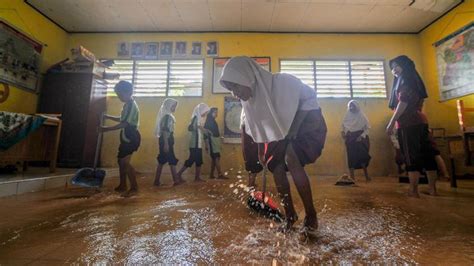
467	132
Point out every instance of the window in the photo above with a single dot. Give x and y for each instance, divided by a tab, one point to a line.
368	79
160	77
340	78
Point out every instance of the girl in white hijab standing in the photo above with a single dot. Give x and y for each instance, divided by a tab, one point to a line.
355	130
197	130
283	116
164	131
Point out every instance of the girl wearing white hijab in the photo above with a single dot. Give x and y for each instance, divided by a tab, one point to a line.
281	114
164	131
355	130
196	128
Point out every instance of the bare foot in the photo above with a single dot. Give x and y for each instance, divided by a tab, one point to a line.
156	184
287	225
222	177
131	192
413	194
432	193
179	182
121	189
199	180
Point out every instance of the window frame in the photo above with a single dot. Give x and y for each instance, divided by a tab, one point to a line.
383	61
167	75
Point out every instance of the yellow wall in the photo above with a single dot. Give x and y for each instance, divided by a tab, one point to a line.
443	114
277	46
33	24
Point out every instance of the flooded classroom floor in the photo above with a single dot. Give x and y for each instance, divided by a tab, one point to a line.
209	223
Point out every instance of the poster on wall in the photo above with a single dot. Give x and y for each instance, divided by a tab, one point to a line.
212	48
151	50
180	49
219	65
138	50
232	111
196	49
455	59
123	49
19	58
166	49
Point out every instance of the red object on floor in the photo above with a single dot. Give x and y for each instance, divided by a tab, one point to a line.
258	196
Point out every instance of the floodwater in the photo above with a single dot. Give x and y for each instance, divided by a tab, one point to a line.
204	223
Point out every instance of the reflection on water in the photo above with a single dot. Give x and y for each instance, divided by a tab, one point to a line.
210	223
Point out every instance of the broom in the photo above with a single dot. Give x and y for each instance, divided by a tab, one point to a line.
264	205
91	177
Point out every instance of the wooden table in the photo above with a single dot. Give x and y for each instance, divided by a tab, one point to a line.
41	145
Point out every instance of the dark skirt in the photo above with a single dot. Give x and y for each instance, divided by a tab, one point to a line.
195	156
417	148
130	144
250	153
358	155
167	157
308	145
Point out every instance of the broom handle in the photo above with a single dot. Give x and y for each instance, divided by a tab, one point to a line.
264	182
99	143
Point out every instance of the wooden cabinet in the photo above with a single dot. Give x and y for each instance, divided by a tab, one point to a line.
81	99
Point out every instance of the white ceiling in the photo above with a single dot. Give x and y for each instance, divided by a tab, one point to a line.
243	15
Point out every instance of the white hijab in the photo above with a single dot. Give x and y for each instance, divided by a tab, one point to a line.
355	121
274	102
165	109
198	111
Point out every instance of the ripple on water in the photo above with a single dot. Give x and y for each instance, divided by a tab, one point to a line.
363	235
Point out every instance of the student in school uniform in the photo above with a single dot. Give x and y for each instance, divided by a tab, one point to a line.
355	132
129	136
196	141
164	131
283	116
213	143
408	94
250	154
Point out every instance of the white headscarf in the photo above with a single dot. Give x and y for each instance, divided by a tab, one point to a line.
355	121
274	102
165	109
198	111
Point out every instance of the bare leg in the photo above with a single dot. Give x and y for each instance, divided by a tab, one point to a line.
252	177
219	171
180	173
366	173
442	166
414	177
432	176
132	177
283	187
173	174
302	185
351	173
197	174
159	168
218	166
213	168
123	176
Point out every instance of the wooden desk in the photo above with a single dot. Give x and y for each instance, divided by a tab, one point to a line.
41	145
